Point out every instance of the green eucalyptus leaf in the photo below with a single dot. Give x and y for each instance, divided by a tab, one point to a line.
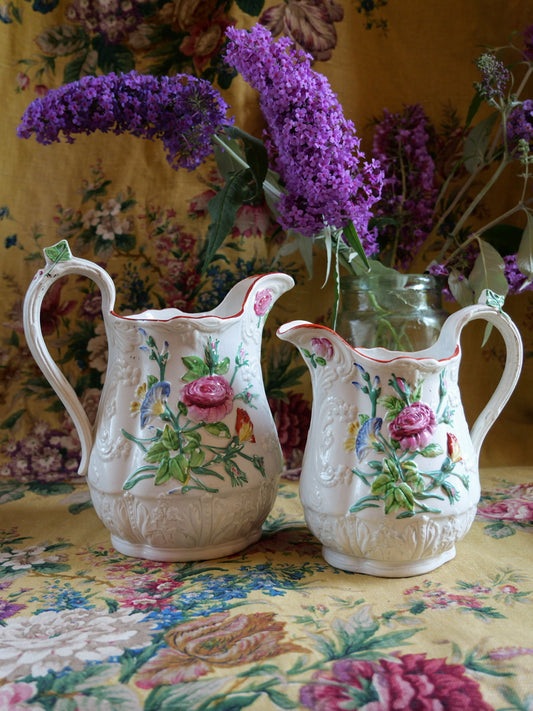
476	143
255	153
474	107
229	156
302	244
524	256
351	236
460	289
488	271
223	211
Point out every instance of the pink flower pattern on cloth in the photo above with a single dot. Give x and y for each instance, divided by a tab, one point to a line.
209	399
517	506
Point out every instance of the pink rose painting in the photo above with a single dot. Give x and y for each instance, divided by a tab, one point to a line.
180	447
322	347
414	426
398	477
263	302
208	399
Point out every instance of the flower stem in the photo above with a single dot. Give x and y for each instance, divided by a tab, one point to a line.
268	187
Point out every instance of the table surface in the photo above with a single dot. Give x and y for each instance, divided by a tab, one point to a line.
274	627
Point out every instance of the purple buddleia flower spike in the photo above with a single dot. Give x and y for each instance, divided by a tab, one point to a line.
312	146
182	111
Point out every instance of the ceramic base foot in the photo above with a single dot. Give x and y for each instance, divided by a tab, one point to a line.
384	568
179	555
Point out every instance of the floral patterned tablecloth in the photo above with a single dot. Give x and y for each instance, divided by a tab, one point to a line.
274	627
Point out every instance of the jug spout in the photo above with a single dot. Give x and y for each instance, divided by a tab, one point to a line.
254	296
318	345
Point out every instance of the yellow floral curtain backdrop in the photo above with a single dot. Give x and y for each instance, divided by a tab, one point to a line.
117	201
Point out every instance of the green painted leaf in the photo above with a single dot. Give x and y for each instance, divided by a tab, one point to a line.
59	252
151	380
125	242
184	696
432	450
157	452
222	367
218	429
50	489
170	438
197	458
196	368
163	473
179	468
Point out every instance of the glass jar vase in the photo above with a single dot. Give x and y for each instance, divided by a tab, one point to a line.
400	312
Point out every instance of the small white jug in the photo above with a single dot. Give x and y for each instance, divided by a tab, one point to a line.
390	478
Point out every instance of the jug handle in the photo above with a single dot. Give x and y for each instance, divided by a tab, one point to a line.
489	309
59	263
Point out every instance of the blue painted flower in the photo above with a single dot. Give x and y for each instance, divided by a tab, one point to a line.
367	436
155	402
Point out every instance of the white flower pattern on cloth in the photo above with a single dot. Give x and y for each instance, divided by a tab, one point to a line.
28	557
51	641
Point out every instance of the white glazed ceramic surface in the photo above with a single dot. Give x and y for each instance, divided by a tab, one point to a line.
390	477
183	461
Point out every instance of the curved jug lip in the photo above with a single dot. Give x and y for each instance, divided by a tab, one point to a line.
231	307
378	354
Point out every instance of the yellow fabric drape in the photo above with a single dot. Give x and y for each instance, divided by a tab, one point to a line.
424	56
